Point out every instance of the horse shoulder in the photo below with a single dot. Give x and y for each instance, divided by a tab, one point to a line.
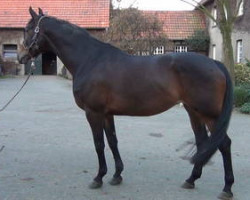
90	91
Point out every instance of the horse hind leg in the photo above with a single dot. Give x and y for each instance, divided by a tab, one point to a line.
201	135
225	149
109	127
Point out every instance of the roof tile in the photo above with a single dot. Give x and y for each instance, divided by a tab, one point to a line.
84	13
179	25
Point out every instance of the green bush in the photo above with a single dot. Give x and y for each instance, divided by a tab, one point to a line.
247	62
241	95
199	41
245	108
242	73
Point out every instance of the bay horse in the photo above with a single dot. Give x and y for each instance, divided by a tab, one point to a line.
108	82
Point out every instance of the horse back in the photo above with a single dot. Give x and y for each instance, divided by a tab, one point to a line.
136	85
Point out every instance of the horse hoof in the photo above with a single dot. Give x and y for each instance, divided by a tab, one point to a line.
226	196
95	185
115	180
187	185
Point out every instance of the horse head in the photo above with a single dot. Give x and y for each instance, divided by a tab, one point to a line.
34	42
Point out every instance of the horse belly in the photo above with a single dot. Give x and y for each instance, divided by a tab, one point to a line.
140	107
142	96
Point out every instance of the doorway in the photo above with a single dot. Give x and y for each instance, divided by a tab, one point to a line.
49	66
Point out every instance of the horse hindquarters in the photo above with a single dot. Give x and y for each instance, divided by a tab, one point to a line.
218	125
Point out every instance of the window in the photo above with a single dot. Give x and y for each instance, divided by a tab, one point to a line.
181	49
10	51
214	52
159	50
241	9
239	53
214	13
144	53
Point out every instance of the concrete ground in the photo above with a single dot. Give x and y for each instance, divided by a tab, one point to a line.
49	154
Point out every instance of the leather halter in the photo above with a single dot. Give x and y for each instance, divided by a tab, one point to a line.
35	36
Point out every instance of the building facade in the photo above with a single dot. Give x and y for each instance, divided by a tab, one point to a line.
14	15
240	35
178	26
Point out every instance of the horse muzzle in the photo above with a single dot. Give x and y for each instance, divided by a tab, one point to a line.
23	57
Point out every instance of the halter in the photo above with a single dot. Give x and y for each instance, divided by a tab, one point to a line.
34	41
35	36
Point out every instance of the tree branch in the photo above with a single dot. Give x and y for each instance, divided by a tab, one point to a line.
238	4
202	8
221	5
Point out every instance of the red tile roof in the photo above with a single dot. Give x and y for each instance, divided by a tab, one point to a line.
84	13
179	25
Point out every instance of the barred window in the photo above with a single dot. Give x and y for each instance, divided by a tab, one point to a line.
159	50
10	51
181	49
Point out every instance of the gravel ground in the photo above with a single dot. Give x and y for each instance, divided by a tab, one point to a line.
49	154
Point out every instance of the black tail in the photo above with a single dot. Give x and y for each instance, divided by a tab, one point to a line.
211	145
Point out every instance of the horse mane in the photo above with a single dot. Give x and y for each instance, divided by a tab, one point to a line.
72	26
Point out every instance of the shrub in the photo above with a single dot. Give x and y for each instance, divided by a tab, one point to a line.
247	62
242	73
245	108
241	95
199	41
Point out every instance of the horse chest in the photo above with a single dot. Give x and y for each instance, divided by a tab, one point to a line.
90	96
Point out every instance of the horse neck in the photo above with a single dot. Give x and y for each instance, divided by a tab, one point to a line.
69	43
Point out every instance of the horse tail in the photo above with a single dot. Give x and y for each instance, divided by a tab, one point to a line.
211	145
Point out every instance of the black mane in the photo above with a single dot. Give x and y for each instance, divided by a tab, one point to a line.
84	32
72	26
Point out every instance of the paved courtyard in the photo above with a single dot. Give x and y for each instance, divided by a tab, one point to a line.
48	151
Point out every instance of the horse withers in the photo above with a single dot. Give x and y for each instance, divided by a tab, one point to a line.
108	82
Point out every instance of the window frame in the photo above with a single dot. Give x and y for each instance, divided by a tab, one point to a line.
9	51
181	49
159	50
214	51
239	51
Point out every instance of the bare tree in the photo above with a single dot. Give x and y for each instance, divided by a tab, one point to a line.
227	14
134	32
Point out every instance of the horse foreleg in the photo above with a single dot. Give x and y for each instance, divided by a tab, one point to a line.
201	135
109	127
96	122
225	149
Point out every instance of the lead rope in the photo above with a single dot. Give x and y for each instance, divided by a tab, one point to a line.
32	66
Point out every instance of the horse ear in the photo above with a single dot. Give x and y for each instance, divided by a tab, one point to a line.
40	11
33	13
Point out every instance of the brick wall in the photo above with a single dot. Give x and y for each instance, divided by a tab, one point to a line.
11	37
